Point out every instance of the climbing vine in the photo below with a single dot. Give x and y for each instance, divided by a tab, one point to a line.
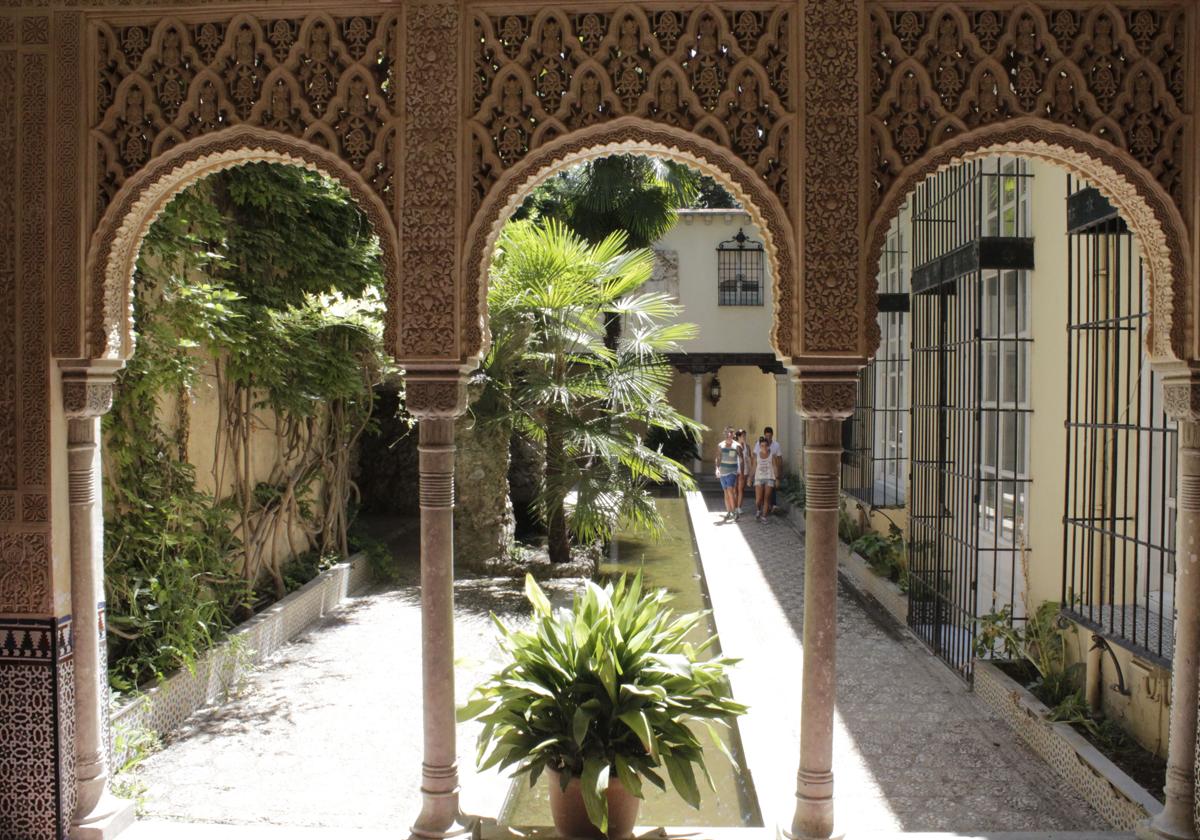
258	291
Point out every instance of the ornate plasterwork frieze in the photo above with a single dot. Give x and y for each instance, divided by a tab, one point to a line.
1100	89
429	214
1117	73
327	79
115	244
831	305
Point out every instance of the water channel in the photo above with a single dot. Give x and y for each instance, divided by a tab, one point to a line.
670	562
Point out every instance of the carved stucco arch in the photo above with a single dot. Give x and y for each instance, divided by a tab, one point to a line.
117	240
630	135
1146	208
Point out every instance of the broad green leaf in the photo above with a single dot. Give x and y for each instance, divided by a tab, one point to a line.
592	783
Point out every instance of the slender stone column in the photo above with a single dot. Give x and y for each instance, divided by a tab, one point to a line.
824	404
1176	821
784	408
436	402
698	416
87	394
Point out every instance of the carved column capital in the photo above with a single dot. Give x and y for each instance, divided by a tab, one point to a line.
828	397
87	388
434	395
1181	397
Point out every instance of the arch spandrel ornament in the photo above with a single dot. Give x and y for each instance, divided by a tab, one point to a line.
1099	89
711	85
118	238
181	96
632	134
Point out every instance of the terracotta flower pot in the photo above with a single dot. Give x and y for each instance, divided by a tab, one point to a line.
570	815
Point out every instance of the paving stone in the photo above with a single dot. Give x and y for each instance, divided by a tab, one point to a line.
914	751
327	734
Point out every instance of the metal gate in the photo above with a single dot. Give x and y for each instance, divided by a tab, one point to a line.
970	403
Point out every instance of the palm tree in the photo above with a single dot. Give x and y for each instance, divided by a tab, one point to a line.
587	403
633	193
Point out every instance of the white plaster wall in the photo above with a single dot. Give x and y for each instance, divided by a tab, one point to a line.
722	329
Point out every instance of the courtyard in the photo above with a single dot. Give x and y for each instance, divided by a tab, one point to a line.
337	710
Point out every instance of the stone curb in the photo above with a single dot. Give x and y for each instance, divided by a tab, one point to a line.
163	708
1119	799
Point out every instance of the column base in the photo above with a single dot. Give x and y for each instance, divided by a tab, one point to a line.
1172	830
463	826
788	834
118	815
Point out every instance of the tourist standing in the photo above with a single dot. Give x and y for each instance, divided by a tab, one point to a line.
729	471
777	460
765	478
744	478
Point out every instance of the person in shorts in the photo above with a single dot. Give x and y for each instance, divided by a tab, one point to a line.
777	459
765	478
744	478
729	471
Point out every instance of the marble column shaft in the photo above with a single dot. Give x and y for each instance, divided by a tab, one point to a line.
87	394
1176	821
439	776
814	782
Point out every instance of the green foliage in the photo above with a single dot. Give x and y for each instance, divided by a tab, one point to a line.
134	743
792	488
631	193
381	560
587	404
261	283
680	445
1040	641
849	526
885	555
609	686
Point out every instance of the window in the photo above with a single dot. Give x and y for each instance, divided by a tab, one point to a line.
740	272
875	447
1119	546
969	486
1004	462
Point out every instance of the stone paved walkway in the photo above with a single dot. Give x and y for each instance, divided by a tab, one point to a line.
328	733
913	751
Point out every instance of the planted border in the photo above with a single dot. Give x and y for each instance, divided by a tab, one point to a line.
1120	800
163	708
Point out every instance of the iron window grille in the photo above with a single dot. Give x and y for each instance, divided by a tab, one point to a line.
740	271
1119	522
875	436
969	483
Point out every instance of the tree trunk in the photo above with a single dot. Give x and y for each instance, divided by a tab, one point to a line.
483	514
559	541
559	538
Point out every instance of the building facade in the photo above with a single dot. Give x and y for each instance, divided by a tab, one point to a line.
820	117
1012	424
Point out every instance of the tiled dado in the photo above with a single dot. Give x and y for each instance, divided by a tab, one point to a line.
37	727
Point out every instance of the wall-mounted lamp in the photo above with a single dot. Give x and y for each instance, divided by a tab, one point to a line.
714	390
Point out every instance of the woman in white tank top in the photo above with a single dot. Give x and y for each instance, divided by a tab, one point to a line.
764	478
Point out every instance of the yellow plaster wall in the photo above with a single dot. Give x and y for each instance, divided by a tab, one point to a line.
747	402
1047	383
204	415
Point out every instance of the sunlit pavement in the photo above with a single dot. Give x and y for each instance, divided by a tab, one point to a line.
913	749
164	830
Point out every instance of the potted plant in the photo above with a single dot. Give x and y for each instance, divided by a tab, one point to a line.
603	696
